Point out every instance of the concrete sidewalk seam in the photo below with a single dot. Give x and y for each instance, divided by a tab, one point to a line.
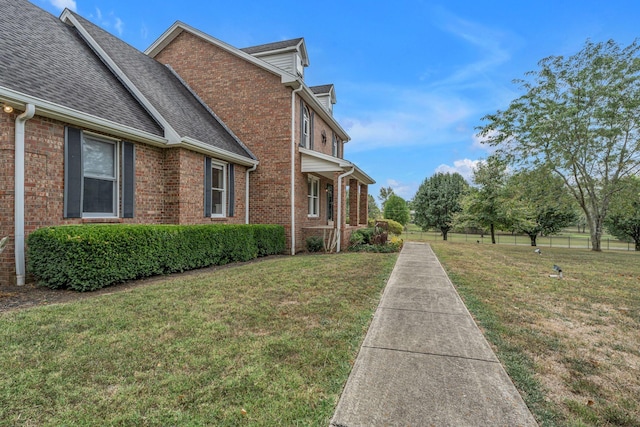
452	356
446	313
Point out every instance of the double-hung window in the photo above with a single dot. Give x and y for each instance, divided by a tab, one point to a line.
218	189
306	128
100	177
313	191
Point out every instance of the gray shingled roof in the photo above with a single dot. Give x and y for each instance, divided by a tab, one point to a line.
271	46
321	89
167	94
42	57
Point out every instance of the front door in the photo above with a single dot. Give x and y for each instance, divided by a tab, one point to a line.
329	202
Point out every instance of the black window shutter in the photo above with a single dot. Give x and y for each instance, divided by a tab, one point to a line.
207	186
232	187
128	179
311	130
73	173
301	123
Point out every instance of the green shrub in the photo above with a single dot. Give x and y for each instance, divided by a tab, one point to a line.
362	236
315	244
394	227
90	257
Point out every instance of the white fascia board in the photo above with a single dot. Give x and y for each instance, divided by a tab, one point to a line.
201	147
178	27
78	118
340	164
170	133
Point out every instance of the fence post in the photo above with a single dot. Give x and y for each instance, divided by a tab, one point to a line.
607	243
569	242
550	244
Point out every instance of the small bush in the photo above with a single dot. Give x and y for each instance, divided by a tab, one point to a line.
394	227
314	244
362	236
90	257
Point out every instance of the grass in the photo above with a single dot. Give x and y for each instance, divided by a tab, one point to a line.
268	343
569	238
571	346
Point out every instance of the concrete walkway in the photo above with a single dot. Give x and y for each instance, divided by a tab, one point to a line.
424	362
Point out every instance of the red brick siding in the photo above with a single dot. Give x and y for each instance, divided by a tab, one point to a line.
169	185
255	106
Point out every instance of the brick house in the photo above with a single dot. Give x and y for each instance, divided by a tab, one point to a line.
260	93
94	131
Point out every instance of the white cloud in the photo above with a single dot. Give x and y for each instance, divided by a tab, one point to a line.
410	118
464	167
61	4
404	190
119	25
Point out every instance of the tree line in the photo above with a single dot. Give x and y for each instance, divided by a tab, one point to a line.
568	147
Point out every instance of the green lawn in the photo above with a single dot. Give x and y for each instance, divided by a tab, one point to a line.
267	343
569	238
571	346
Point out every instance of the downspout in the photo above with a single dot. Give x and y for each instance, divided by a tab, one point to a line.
246	194
339	225
293	169
29	111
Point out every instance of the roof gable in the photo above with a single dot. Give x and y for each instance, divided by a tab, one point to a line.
168	98
45	59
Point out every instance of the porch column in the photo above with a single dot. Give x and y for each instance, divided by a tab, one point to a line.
364	203
353	202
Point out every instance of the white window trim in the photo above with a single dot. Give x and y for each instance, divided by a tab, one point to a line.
219	166
313	199
116	191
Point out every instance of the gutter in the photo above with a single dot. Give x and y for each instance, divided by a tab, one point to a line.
246	193
29	112
293	168
339	226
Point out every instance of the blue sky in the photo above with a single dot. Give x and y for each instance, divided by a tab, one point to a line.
413	78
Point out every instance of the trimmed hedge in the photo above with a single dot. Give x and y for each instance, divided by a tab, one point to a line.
90	257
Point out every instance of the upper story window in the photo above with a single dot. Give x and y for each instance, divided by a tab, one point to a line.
334	146
306	128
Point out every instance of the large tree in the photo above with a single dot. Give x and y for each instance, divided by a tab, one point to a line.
396	209
623	220
385	193
539	203
579	116
438	200
485	205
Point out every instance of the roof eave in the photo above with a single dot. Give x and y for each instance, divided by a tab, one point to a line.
178	27
78	118
218	153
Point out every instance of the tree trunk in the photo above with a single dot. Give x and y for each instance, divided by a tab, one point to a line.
596	234
493	234
533	238
637	244
444	235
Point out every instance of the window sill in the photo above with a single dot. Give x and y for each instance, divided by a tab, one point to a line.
101	220
219	219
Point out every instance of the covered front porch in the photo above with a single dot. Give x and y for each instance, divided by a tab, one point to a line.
347	190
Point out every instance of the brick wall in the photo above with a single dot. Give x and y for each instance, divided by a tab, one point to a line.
169	185
255	106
